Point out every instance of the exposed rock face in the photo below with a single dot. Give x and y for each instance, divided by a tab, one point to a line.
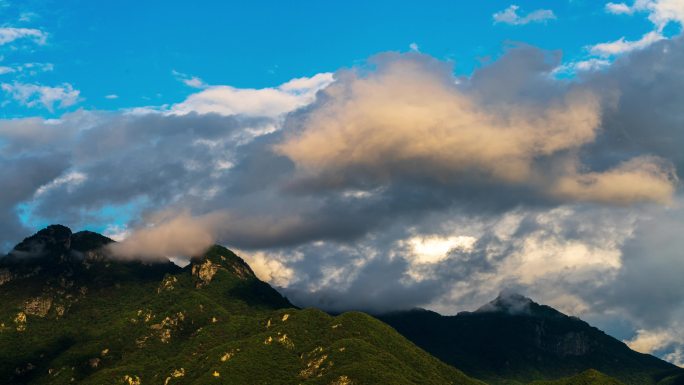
342	380
205	272
39	306
5	276
167	284
94	362
20	321
316	365
243	272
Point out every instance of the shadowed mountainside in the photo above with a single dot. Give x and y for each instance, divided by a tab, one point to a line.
513	340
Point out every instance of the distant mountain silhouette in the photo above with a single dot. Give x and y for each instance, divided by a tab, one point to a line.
512	338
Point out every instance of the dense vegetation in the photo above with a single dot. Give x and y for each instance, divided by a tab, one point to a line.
70	314
588	377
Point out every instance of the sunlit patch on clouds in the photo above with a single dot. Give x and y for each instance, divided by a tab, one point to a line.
670	341
434	249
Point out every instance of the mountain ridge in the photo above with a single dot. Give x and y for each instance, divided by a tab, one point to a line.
77	316
514	338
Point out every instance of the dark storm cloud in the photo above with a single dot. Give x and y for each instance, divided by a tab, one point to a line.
644	99
21	177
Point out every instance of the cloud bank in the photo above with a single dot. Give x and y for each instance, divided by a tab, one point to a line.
394	184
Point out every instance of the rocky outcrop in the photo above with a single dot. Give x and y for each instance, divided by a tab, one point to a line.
5	276
39	306
204	272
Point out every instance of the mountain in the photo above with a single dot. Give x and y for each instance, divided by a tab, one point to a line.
72	314
588	377
513	340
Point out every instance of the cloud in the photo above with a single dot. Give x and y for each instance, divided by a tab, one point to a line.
168	236
407	119
622	46
70	180
26	17
431	193
27	68
510	16
271	102
10	34
32	95
639	179
650	341
111	96
660	12
588	65
269	268
190	81
619	8
670	341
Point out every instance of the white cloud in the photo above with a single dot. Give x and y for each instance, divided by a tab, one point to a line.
414	47
10	34
27	68
619	8
268	267
589	65
660	12
267	102
433	249
69	180
542	254
510	16
648	341
112	96
622	45
190	81
669	339
26	17
32	95
676	357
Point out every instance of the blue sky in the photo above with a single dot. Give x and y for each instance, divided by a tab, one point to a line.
130	48
479	163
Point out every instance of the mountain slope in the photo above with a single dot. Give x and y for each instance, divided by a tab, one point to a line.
588	377
515	339
71	314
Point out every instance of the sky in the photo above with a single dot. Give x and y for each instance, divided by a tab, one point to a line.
375	156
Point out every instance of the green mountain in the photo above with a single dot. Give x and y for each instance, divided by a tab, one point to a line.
70	314
672	379
588	377
513	340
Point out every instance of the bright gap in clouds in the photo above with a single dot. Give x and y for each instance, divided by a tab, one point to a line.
433	249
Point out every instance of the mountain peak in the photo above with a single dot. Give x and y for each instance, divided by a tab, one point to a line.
219	258
52	239
508	302
512	303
